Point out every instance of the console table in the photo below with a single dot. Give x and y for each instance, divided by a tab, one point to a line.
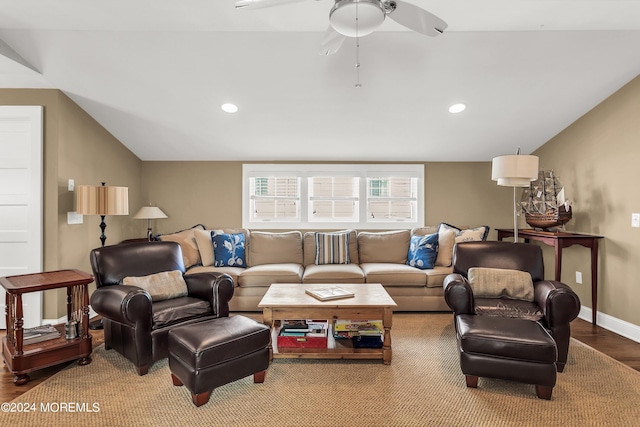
560	240
22	359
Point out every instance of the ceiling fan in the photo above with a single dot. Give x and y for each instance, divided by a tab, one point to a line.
358	18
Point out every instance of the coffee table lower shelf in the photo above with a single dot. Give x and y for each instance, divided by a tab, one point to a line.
336	349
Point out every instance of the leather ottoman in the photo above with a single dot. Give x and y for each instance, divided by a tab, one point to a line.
215	352
509	349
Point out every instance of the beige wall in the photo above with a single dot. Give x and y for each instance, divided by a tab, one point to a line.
76	146
597	159
210	193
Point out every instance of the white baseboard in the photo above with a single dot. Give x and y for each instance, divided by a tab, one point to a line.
613	324
63	319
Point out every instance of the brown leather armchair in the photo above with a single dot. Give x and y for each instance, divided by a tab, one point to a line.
135	326
555	305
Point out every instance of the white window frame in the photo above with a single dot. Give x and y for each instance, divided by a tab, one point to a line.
305	171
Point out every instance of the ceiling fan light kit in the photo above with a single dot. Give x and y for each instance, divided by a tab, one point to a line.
357	18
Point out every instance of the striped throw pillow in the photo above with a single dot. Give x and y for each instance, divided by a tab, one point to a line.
332	248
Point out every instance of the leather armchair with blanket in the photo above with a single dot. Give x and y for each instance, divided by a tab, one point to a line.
553	304
137	321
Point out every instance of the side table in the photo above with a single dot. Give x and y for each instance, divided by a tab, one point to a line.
22	359
559	240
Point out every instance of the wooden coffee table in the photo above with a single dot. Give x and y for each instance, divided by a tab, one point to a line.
288	301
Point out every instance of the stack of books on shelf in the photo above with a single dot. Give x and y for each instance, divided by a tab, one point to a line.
38	334
306	333
362	333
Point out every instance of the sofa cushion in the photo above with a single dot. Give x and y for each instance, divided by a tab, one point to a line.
332	248
333	273
435	276
393	274
234	272
228	249
422	251
275	248
384	247
186	240
500	283
161	286
309	247
266	274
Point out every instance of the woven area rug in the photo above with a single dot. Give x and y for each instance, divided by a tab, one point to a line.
422	387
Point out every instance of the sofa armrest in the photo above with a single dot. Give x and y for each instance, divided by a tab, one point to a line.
128	305
559	303
458	294
217	288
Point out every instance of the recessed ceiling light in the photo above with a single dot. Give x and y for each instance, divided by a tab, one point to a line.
229	108
457	108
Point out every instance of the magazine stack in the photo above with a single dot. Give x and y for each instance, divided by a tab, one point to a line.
363	333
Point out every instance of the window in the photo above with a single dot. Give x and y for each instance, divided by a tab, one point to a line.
392	198
333	199
317	196
274	198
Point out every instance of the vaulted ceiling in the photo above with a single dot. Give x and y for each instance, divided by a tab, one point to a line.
155	72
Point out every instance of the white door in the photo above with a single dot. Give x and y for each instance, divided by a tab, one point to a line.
21	202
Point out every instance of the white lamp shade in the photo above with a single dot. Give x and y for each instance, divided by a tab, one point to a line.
150	212
102	200
514	171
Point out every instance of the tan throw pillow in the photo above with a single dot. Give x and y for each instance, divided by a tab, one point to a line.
161	286
186	240
446	241
205	246
500	283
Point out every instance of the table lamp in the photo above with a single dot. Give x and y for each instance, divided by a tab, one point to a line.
149	213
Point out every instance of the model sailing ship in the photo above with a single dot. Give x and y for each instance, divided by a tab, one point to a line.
544	204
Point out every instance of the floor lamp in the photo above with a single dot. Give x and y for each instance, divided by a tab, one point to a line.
514	171
149	213
101	200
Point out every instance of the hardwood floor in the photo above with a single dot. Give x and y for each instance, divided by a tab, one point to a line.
622	349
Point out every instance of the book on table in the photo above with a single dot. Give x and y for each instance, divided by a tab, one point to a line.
327	293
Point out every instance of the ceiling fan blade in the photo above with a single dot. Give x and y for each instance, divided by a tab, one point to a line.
257	4
417	19
332	42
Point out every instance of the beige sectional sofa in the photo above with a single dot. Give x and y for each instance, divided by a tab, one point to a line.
290	257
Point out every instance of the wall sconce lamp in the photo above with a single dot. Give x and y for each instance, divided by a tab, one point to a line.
514	171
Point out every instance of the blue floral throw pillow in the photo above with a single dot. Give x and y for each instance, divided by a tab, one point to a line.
423	251
228	249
